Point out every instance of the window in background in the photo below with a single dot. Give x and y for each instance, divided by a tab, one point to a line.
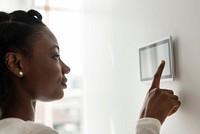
63	17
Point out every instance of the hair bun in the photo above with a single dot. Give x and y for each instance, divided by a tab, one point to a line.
4	17
35	14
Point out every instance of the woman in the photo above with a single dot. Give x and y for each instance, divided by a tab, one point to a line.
31	70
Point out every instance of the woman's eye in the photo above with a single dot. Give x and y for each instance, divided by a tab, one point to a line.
57	56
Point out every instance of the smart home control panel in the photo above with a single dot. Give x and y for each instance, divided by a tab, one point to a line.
150	57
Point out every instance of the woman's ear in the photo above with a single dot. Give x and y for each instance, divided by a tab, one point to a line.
13	62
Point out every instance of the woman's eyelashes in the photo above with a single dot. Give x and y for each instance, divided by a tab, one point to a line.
57	56
55	52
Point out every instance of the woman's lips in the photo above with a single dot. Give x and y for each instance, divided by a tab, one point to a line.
64	84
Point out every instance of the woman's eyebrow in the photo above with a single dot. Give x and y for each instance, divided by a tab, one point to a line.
55	46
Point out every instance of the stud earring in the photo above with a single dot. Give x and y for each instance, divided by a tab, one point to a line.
21	74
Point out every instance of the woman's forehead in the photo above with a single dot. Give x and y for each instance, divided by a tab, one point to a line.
46	41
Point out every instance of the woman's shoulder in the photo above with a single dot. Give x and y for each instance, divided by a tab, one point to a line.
18	126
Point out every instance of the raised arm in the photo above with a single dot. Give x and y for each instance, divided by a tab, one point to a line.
159	104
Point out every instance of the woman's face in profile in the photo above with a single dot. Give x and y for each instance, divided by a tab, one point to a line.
45	78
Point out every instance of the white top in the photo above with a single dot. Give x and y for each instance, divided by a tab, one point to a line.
148	126
18	126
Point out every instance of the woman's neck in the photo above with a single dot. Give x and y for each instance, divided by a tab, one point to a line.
24	110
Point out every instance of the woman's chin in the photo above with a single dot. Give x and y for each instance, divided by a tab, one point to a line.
54	97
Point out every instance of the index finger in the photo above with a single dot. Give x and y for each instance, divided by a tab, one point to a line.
157	76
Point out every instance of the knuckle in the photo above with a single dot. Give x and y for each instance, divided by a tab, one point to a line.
171	92
154	91
168	91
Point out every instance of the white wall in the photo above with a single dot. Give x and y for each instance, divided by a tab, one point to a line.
114	29
11	5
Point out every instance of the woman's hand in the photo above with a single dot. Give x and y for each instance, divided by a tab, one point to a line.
159	103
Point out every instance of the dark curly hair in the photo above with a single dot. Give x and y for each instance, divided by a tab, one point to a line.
18	31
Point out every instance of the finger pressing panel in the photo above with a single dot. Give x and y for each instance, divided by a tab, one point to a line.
157	76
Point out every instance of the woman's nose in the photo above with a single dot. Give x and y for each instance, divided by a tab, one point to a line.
65	68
